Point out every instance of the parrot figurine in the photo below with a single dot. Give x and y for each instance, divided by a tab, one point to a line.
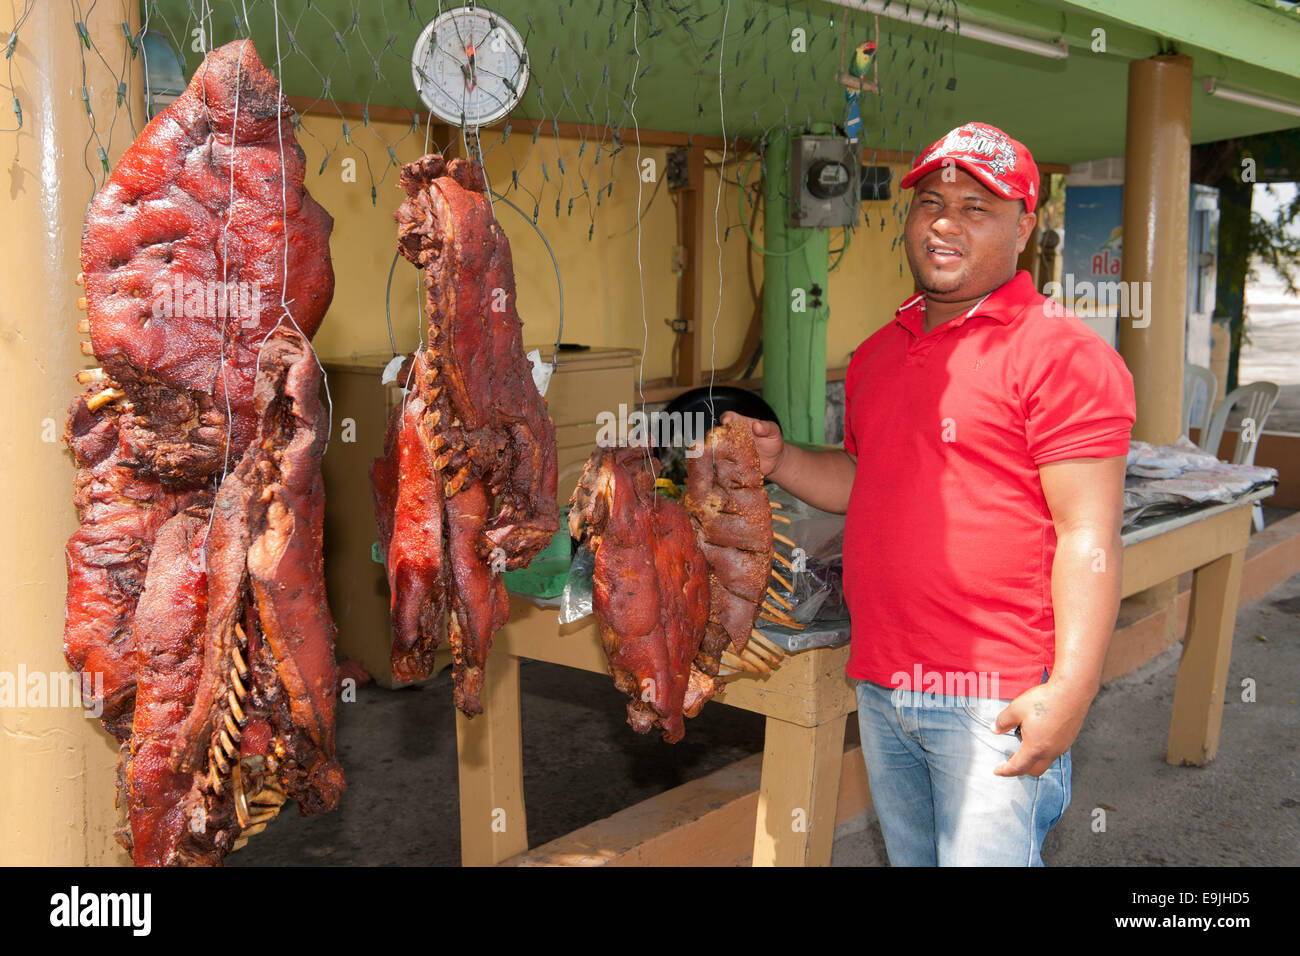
862	57
859	67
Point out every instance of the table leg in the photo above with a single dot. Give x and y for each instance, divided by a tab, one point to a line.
1203	669
798	793
493	826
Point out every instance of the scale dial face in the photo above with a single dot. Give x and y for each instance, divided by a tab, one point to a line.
470	67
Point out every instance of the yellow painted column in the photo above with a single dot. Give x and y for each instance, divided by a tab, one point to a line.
1157	179
56	765
1157	164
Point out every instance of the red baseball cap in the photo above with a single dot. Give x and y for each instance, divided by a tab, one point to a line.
1001	163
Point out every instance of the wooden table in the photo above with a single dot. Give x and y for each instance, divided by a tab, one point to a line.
1211	543
808	699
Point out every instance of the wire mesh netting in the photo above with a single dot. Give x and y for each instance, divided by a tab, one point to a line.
597	71
590	95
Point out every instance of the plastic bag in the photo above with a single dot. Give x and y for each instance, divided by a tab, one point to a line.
575	603
816	572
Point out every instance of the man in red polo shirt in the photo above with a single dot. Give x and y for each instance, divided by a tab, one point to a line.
982	476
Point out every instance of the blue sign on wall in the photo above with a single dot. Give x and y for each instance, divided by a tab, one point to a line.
1094	235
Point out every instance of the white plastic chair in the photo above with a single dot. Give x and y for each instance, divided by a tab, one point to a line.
1200	388
1256	400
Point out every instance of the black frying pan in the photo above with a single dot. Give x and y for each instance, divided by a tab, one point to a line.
724	398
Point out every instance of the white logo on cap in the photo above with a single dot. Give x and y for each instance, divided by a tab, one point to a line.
988	147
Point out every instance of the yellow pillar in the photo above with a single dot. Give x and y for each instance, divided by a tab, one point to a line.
1157	178
1157	164
56	765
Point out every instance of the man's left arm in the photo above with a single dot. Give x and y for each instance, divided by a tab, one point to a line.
1086	499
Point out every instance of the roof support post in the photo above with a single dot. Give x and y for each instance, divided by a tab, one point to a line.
796	307
56	785
1157	183
1157	169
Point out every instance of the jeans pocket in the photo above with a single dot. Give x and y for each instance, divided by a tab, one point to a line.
976	712
984	711
1067	767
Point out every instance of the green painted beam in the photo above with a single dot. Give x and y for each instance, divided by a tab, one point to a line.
1233	29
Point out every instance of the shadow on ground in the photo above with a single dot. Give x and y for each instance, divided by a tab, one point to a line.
582	762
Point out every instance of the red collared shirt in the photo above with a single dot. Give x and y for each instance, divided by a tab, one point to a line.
948	542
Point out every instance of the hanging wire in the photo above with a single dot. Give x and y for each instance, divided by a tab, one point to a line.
230	211
388	301
559	148
559	282
10	45
717	205
284	220
346	57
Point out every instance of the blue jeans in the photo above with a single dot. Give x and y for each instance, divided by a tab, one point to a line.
930	760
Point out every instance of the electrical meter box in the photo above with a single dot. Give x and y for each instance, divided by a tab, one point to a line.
824	182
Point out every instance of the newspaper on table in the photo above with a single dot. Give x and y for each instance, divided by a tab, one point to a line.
1174	477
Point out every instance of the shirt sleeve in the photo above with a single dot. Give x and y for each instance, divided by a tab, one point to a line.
1079	401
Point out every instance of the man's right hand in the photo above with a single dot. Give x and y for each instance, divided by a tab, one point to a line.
767	439
821	477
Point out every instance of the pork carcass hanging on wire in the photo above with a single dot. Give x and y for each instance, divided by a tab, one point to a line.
676	588
466	488
235	706
732	519
196	611
650	585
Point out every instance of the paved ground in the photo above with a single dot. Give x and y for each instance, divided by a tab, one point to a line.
583	763
1285	416
1273	352
1273	327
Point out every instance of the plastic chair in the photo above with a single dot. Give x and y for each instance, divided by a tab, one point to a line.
1257	400
1198	380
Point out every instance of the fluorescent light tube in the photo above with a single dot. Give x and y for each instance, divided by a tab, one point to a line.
1250	99
1055	49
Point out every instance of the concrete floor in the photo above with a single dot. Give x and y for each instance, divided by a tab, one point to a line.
582	763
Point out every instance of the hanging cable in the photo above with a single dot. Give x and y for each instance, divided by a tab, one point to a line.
559	335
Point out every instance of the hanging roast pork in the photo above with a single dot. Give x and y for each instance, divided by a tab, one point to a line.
676	588
196	611
466	489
